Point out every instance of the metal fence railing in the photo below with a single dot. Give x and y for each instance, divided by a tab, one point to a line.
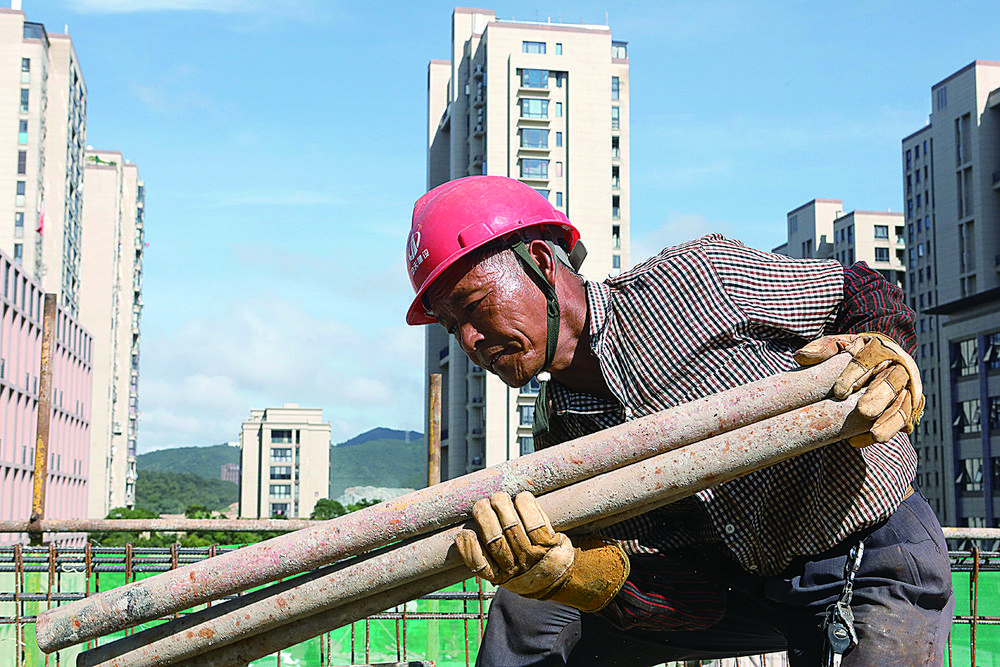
443	627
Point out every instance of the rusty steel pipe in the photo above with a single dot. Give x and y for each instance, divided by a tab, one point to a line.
43	419
432	508
647	484
144	525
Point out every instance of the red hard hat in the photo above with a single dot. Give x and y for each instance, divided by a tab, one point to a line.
459	216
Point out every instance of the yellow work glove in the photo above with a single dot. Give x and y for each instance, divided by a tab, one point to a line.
893	396
522	552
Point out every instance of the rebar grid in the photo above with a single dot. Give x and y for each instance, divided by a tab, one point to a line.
33	579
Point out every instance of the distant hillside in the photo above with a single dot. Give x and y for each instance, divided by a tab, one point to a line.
172	493
372	459
204	461
381	434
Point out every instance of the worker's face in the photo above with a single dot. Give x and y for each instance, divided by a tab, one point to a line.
497	315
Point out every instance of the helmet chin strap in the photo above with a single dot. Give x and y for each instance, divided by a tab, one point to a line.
540	424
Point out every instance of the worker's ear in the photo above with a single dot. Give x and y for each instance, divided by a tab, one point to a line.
545	258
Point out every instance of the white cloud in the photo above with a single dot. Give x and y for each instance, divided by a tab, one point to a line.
199	384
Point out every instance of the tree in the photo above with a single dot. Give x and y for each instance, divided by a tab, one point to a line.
327	509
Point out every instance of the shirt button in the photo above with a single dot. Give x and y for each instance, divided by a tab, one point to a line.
730	529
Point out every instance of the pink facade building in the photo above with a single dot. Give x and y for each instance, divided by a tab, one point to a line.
21	300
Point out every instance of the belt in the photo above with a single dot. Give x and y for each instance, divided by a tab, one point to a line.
907	493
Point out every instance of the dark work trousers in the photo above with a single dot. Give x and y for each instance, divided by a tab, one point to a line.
903	606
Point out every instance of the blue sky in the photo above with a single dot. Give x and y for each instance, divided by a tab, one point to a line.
282	146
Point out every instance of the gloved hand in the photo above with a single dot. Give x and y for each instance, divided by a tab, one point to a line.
894	396
525	555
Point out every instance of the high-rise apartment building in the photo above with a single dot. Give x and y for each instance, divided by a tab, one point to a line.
951	185
111	280
545	103
92	259
821	229
21	326
284	462
43	103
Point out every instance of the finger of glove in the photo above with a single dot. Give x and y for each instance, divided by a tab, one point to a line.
493	537
817	351
883	391
894	419
471	550
536	523
517	538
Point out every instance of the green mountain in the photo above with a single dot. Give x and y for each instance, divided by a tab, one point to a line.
380	457
173	493
204	461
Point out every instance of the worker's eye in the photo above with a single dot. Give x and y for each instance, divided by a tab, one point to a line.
471	308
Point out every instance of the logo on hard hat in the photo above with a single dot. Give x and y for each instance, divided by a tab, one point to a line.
414	245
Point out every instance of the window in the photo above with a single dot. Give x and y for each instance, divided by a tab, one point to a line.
558	48
616	210
970	475
615	121
881	254
967	417
527	414
558	139
793	223
281	454
881	231
559	199
534	78
619	50
994	413
24	100
281	472
909	160
531	388
558	109
279	509
615	148
919	200
920	250
993	351
281	436
534	138
18	253
22	162
544	193
534	168
19	225
532	47
527	444
965	357
535	108
281	490
918	176
616	237
560	77
22	131
916	152
616	261
615	82
19	199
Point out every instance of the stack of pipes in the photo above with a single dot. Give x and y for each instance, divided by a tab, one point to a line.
386	554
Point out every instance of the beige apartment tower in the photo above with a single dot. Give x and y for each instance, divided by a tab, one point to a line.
43	105
820	229
545	103
284	462
111	306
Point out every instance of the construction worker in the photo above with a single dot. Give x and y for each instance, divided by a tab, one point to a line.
829	556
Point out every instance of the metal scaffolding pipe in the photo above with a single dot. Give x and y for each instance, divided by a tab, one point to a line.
644	485
167	525
432	508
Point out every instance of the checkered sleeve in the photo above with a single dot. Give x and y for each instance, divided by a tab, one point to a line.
775	292
871	303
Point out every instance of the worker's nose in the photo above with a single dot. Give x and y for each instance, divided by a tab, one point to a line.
467	337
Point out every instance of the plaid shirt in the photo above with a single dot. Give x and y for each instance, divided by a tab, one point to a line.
707	316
